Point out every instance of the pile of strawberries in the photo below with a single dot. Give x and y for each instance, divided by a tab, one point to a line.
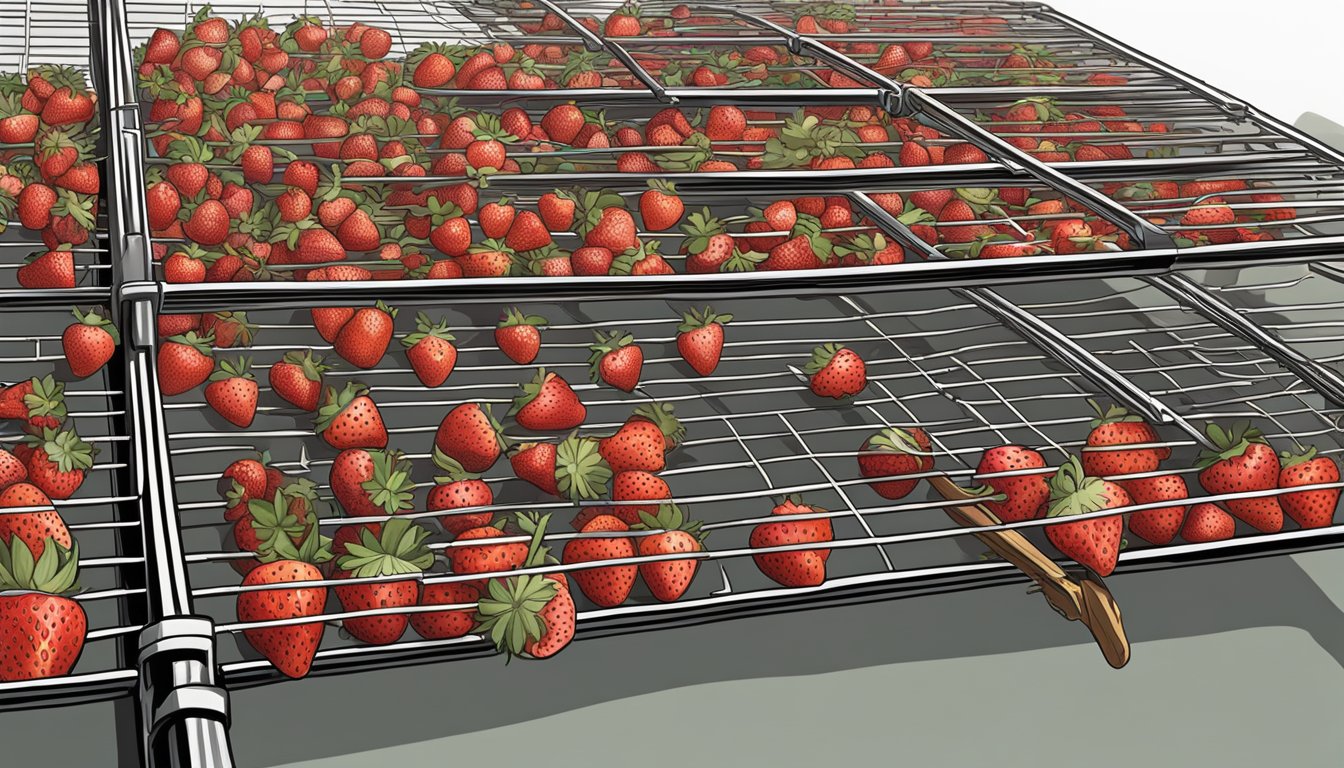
48	177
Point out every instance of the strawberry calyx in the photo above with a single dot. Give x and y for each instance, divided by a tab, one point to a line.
47	398
335	402
454	469
700	226
1113	414
821	357
1228	443
581	474
391	486
311	365
743	261
1072	492
1292	459
670	518
425	329
239	368
94	319
55	572
894	440
514	316
695	319
314	549
509	614
272	521
200	343
399	550
64	448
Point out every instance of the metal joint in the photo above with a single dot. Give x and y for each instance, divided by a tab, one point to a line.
177	674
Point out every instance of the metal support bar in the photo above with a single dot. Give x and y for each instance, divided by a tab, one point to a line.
594	42
1324	380
590	41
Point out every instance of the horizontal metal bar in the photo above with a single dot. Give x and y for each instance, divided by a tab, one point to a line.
66	690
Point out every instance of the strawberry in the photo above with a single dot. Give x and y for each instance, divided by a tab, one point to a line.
669	579
362	341
36	527
497	557
48	269
616	360
1242	461
615	230
495	219
795	568
660	207
592	261
518	336
563	122
548	404
232	391
57	461
895	452
700	339
39	403
836	371
1093	543
643	441
12	470
1024	495
399	551
430	350
207	223
185	362
243	481
434	70
35	202
1208	522
291	647
350	419
798	252
573	469
624	22
530	616
89	343
470	435
557	211
1158	526
297	378
1116	426
725	123
446	624
1214	213
527	233
229	328
44	626
633	485
609	586
459	489
1309	509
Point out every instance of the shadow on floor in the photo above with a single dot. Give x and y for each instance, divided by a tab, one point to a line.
407	705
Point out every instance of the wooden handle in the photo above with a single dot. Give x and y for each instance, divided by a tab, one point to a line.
1084	600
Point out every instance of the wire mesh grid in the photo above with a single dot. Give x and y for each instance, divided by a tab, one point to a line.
935	359
102	515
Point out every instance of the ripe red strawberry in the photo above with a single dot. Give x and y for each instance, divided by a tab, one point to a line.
1242	461
547	404
56	462
232	391
470	435
660	207
35	528
207	223
608	586
350	419
563	122
592	261
1215	213
528	233
495	219
486	557
38	403
894	452
12	470
398	551
362	341
836	371
459	489
433	71
89	343
615	230
430	350
1093	543
573	469
632	485
700	339
643	441
557	211
1116	426
1026	494
185	362
1158	526
298	379
290	647
669	579
44	627
725	122
1208	522
446	624
245	480
530	616
795	568
616	360
35	202
48	269
518	336
1309	509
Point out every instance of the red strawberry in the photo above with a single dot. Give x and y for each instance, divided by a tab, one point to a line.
35	202
298	379
1158	526
185	362
616	360
459	489
669	579
610	586
725	123
798	252
89	343
433	71
232	391
557	211
11	470
563	122
1208	522
44	627
615	231
700	339
48	269
350	419
1309	509
660	207
643	441
519	336
290	647
574	469
329	320
1094	543
1117	427
37	527
57	461
1242	461
208	223
894	452
399	551
495	219
39	403
362	341
245	480
470	435
547	404
497	557
430	351
635	485
1026	494
592	261
530	616
528	233
836	371
794	568
447	624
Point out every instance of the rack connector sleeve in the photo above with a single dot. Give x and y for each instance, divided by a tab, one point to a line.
177	687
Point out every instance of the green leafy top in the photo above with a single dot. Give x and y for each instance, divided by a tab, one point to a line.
425	329
698	318
580	471
1072	492
510	612
55	572
399	550
46	399
821	357
895	440
607	342
240	368
670	518
65	449
1113	414
514	316
805	138
1229	443
390	487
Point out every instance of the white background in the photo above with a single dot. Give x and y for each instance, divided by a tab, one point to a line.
1283	56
